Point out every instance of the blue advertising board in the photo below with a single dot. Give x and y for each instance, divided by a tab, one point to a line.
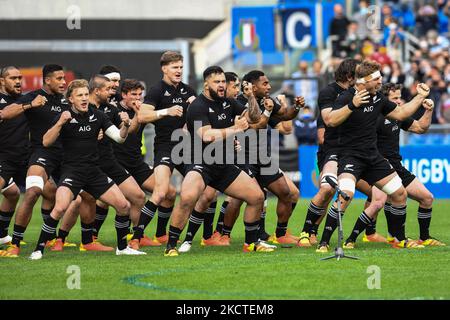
431	165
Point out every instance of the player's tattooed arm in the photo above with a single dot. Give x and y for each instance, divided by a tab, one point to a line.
52	134
286	113
408	109
209	134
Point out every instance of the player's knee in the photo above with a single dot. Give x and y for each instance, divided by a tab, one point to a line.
295	194
326	191
427	200
377	204
171	194
12	194
399	196
139	198
256	198
159	196
123	207
32	194
58	211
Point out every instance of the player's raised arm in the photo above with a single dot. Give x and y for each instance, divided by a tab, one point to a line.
53	133
408	109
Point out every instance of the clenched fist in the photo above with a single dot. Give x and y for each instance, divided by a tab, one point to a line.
428	104
39	101
423	90
65	116
175	111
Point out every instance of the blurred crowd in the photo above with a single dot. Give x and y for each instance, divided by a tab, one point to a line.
380	33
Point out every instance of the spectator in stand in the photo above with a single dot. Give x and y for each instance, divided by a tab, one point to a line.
353	42
396	74
317	72
306	127
361	17
426	19
307	88
338	27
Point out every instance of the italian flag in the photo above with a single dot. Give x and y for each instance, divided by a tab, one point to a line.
247	33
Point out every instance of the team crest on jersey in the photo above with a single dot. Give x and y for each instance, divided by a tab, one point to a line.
225	105
183	91
106	110
64	101
92	119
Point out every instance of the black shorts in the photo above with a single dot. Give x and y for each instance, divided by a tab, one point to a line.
406	176
217	176
115	171
246	169
49	159
163	157
324	156
140	171
92	180
264	179
369	168
13	172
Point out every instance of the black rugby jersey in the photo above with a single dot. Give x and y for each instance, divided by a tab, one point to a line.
388	135
79	137
327	97
163	96
130	151
14	133
218	114
358	133
40	119
105	147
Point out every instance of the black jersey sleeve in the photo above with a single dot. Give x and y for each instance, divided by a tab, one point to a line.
406	124
343	99
276	107
326	99
388	106
27	98
115	117
153	96
320	123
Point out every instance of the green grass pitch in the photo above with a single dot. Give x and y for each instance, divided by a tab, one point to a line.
228	273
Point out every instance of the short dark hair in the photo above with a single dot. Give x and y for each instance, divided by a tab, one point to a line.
253	76
5	70
108	69
366	68
231	76
345	70
97	82
170	56
130	85
211	70
388	87
48	69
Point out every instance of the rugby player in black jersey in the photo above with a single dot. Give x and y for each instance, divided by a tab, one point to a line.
130	157
79	128
114	75
327	154
356	111
274	181
40	108
388	135
14	151
165	106
213	121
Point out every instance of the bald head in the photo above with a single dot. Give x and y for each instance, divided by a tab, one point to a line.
100	88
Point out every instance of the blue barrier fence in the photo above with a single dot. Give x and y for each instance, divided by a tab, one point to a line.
431	165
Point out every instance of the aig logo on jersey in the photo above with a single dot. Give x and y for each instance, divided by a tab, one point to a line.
221	116
368	109
85	128
56	108
177	100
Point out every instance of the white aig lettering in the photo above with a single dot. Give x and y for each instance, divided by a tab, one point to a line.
84	129
177	100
